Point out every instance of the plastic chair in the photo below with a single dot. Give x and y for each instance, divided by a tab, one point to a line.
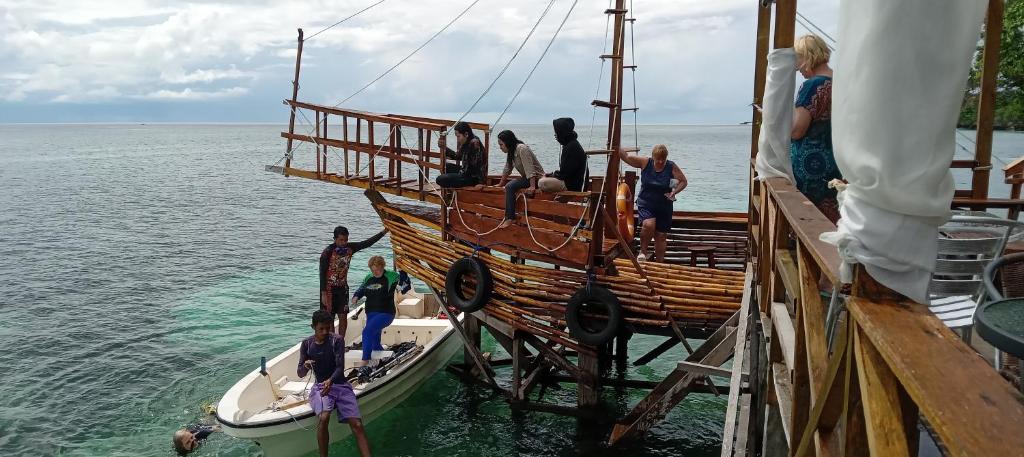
967	244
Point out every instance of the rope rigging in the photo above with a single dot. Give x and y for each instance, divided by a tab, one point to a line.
600	77
414	51
542	55
507	64
343	20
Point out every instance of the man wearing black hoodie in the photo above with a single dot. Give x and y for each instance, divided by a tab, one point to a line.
572	163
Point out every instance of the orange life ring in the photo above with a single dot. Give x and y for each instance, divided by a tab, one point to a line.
624	208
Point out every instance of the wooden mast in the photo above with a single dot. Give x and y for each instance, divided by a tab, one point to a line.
295	97
614	105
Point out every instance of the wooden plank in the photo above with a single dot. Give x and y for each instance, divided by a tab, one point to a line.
534	221
984	406
516	237
813	322
739	352
536	206
808	224
831	395
879	391
367	116
784	398
785	334
788	272
386	151
694	367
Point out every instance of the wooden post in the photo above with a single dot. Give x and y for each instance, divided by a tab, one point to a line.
359	139
785	23
398	163
421	166
373	156
295	96
764	17
987	100
326	135
392	141
318	174
344	136
518	351
472	326
588	386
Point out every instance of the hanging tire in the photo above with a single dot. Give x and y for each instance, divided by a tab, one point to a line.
595	300
481	291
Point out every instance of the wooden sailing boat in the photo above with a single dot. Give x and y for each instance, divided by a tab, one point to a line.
892	362
567	244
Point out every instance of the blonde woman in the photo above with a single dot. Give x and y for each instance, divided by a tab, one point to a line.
379	289
660	181
814	164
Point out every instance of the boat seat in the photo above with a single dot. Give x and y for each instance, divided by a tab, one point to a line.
294	387
410	308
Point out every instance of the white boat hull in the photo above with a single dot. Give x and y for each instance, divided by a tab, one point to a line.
292	432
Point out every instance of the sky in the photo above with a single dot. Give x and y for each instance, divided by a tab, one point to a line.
233	61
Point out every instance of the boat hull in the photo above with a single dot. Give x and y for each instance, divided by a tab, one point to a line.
297	436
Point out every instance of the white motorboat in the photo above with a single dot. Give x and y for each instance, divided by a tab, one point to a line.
273	410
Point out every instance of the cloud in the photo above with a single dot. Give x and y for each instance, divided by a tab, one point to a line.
694	58
187	94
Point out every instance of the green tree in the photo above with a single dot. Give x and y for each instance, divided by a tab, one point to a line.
1009	113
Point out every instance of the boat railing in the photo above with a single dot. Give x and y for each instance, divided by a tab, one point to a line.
891	364
390	153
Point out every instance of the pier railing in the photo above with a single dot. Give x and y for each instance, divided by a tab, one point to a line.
892	365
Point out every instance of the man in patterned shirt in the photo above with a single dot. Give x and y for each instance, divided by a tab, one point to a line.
334	262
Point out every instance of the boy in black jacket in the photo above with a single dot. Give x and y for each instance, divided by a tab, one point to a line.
572	163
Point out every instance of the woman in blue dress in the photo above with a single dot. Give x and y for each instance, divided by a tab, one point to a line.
814	164
660	181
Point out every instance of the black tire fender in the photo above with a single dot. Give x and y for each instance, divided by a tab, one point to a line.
482	291
595	300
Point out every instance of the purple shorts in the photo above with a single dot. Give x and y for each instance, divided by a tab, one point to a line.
340	398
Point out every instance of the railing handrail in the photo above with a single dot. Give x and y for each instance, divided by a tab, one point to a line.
807	223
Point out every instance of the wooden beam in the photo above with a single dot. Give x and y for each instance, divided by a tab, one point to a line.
670	391
983	417
879	390
987	99
657	351
739	353
785	334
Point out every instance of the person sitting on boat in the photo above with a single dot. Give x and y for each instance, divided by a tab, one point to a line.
660	181
189	438
814	164
572	162
379	289
324	353
471	153
521	157
334	262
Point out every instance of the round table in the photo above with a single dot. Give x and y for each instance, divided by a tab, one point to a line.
1001	324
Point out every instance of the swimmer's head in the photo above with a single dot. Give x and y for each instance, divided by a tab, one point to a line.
184	442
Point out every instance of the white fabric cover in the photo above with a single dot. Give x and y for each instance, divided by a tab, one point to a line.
777	117
896	97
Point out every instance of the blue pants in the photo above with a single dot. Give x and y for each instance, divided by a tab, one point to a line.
375	324
511	189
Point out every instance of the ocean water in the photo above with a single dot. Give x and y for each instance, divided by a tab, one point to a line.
145	268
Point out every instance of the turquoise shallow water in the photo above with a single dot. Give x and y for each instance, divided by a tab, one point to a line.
144	269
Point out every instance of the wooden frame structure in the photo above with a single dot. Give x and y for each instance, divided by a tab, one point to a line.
891	365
